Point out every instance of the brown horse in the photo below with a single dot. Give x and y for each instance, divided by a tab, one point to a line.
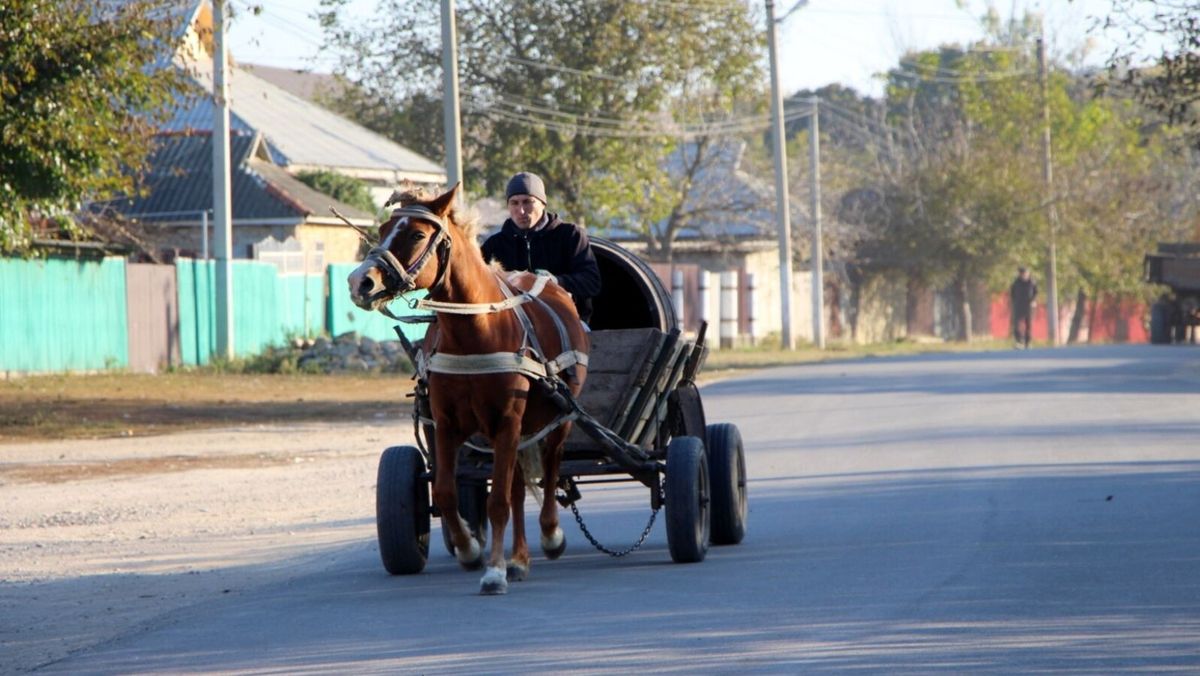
494	337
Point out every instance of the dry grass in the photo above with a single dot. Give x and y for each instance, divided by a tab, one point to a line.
115	404
120	404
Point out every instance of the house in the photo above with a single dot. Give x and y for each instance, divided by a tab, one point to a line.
274	135
728	226
273	211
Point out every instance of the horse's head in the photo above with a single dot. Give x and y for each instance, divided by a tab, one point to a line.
413	252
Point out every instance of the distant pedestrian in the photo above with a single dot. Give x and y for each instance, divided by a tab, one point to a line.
1022	294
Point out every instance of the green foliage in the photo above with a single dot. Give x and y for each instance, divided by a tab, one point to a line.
345	189
590	94
943	180
1171	86
82	83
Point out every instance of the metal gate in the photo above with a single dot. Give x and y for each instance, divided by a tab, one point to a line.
153	311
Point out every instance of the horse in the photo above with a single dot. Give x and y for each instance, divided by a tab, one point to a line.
488	369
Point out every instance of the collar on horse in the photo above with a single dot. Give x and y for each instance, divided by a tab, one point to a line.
401	279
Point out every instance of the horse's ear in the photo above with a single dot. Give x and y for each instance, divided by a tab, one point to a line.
445	202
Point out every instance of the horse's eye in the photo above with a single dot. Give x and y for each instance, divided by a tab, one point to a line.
416	235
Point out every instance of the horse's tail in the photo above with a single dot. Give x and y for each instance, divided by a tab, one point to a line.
530	459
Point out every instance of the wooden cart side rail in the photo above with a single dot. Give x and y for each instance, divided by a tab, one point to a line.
649	392
670	366
640	380
682	359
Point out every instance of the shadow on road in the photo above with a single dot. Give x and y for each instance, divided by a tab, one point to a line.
1088	568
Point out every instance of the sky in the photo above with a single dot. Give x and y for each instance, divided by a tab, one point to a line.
825	41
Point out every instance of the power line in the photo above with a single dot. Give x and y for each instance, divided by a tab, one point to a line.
565	69
978	79
642	130
521	105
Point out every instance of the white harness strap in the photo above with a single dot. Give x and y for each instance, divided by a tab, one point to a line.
502	362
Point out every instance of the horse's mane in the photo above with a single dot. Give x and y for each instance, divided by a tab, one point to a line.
466	219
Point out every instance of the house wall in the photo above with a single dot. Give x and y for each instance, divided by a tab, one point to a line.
341	242
765	305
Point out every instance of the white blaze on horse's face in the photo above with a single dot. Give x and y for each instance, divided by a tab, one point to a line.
367	282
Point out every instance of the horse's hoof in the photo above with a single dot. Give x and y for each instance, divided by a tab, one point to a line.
554	546
517	572
472	559
494	582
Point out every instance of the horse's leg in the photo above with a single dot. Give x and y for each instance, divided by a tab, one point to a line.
504	460
467	549
518	564
554	542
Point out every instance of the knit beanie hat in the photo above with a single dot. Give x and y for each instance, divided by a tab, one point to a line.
526	183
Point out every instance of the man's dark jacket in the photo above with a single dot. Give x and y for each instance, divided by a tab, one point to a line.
560	248
1022	293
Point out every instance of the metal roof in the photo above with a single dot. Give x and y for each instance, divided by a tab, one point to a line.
179	185
303	134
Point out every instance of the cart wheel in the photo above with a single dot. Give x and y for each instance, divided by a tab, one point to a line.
727	473
472	505
687	500
1160	323
402	510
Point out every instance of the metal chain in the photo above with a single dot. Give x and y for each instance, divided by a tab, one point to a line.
587	534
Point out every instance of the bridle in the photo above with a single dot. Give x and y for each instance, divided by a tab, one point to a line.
398	278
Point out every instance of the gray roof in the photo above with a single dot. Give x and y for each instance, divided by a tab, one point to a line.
179	185
306	84
302	135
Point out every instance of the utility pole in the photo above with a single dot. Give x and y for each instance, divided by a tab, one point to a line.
782	217
450	112
1051	209
222	193
818	257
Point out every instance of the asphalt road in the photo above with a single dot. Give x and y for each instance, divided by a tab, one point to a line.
970	513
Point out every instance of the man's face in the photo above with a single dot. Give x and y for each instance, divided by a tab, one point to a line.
525	210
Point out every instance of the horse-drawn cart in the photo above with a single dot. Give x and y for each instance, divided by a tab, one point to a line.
638	418
507	371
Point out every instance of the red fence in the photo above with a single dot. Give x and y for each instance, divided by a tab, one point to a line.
1107	321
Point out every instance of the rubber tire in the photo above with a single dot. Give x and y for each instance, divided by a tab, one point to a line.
472	505
1180	329
687	500
402	510
727	476
1160	323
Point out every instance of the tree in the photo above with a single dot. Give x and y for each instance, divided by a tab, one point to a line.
345	189
81	85
594	109
1172	85
956	195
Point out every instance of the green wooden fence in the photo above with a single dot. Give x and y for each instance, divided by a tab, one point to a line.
70	315
345	316
268	308
61	314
